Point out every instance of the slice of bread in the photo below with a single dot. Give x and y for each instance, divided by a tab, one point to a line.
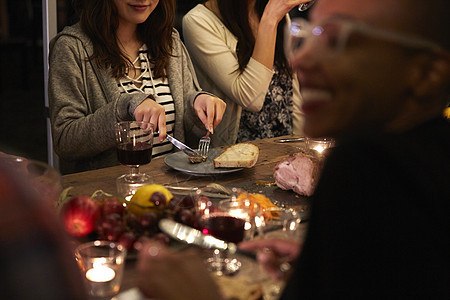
241	155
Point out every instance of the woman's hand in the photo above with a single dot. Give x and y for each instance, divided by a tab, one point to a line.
166	275
277	9
150	111
210	110
275	255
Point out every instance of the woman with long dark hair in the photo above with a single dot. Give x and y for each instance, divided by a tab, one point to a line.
237	49
123	60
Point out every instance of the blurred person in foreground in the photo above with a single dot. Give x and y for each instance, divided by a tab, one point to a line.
35	255
122	61
376	77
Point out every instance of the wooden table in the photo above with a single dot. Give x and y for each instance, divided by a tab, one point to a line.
271	152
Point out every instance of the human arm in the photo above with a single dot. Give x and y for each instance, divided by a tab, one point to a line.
274	255
213	49
84	102
193	105
266	36
210	110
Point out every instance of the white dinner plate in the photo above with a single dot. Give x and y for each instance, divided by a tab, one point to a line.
180	162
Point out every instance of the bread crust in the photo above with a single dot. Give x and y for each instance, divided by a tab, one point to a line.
241	155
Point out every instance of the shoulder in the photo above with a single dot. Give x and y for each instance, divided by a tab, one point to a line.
200	16
70	36
177	43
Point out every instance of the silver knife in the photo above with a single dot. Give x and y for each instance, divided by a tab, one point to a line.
290	140
187	150
193	236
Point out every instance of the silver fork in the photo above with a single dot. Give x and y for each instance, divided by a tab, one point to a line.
203	144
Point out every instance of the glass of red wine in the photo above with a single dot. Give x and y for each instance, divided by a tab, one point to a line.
134	142
231	220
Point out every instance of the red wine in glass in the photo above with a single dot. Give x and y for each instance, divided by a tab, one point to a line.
223	226
136	154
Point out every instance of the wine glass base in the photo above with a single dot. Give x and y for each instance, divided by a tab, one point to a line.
135	178
128	184
223	266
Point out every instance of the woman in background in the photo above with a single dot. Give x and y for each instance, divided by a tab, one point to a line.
237	50
122	61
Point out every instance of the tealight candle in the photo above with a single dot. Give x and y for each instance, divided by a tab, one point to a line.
102	264
100	273
320	145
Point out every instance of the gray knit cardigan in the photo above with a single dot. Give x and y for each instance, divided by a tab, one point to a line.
85	102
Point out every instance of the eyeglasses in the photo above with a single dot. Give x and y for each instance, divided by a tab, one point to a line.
332	36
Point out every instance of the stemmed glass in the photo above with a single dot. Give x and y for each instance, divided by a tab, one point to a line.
231	220
134	142
305	6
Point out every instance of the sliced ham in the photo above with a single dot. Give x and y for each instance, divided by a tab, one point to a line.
299	172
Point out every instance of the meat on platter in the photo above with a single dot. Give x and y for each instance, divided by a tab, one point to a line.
299	172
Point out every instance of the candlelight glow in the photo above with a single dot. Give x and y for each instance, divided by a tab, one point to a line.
100	273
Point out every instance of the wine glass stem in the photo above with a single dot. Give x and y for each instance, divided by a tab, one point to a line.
134	170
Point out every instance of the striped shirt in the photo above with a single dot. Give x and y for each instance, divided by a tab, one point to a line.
159	87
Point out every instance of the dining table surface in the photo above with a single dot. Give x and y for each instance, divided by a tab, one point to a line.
257	179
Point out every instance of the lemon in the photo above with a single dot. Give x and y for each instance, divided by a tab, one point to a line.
141	201
447	113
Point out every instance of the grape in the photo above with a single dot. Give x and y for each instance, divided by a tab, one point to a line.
115	232
148	220
158	199
187	202
112	206
186	217
174	203
132	221
127	240
161	238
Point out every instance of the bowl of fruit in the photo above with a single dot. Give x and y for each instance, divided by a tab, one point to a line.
105	217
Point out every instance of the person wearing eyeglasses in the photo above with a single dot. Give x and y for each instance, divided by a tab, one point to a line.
237	50
375	76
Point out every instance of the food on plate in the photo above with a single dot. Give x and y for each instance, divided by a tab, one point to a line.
197	159
241	155
79	215
263	201
265	182
152	197
299	172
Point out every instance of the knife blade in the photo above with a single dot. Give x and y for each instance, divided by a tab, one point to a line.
186	149
186	190
290	140
193	236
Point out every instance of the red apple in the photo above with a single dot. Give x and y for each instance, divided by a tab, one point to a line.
79	215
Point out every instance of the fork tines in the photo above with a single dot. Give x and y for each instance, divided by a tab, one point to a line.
203	144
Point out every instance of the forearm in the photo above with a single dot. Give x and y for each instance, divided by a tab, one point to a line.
264	50
214	53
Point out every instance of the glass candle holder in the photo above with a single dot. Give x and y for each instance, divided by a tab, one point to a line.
319	145
101	264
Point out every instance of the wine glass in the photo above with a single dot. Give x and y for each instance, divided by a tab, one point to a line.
305	6
134	148
279	223
231	220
